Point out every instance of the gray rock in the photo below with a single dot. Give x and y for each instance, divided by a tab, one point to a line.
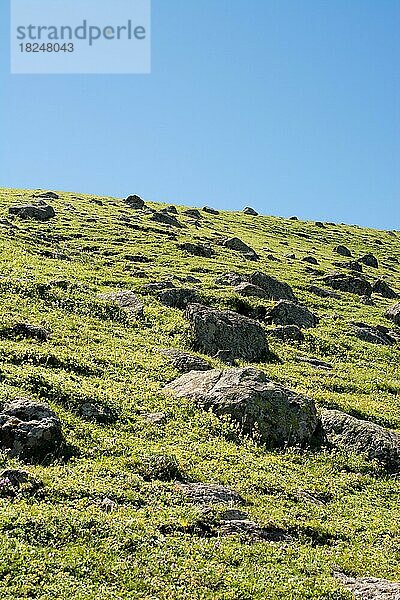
319	224
178	297
165	219
42	212
247	528
353	265
250	211
134	202
192	212
185	362
157	286
97	413
394	313
210	211
376	442
209	493
29	430
342	250
322	293
258	405
171	209
370	588
310	259
290	313
231	278
383	289
369	260
274	289
373	334
287	333
197	249
248	289
26	330
48	195
348	283
216	330
126	300
239	246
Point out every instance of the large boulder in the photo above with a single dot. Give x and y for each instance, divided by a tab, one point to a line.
394	313
210	210
126	300
178	297
348	283
29	430
185	362
274	289
250	211
376	442
382	288
290	313
216	330
342	250
248	289
259	406
134	202
41	212
197	249
369	260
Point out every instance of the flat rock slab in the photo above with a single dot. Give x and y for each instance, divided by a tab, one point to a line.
376	442
29	430
216	330
209	493
259	406
126	300
371	588
166	219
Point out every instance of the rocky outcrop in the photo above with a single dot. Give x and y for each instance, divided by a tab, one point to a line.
127	300
273	288
348	283
290	313
276	415
39	212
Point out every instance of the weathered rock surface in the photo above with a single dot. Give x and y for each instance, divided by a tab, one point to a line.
231	278
383	289
342	250
239	246
192	212
394	313
216	330
210	211
290	313
29	430
248	289
157	286
287	333
166	219
352	265
374	334
134	202
274	289
97	413
322	293
250	211
42	212
258	405
127	300
26	330
348	283
310	259
185	362
178	297
209	493
369	260
370	588
198	249
376	442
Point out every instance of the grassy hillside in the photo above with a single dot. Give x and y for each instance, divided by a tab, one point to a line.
109	522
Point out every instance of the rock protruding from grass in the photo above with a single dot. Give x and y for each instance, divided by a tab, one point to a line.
178	297
185	362
348	283
342	250
369	260
382	288
250	211
238	245
287	333
274	289
248	289
134	202
127	300
275	415
39	212
216	330
97	413
370	588
394	313
197	249
15	482
29	430
374	334
376	442
26	330
210	210
290	313
165	219
209	493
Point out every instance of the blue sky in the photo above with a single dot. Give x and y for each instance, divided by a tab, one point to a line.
290	106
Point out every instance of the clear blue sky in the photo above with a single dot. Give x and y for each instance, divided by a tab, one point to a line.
290	106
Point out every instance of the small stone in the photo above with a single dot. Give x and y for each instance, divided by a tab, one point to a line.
97	413
342	250
250	211
211	211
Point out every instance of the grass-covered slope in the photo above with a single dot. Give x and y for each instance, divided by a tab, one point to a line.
146	541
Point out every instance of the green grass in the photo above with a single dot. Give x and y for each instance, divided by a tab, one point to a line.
60	543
